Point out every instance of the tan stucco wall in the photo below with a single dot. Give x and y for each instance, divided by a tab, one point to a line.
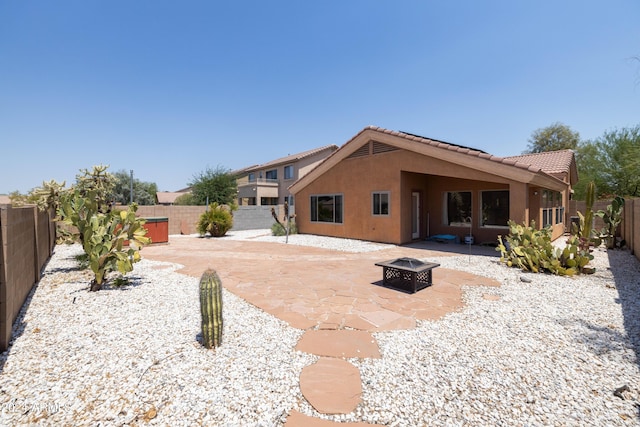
402	172
355	180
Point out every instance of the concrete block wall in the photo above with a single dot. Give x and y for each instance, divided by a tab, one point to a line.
26	247
630	226
183	219
254	217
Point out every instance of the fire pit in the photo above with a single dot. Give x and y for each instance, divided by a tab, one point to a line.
407	274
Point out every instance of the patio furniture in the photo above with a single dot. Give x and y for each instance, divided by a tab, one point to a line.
444	238
407	274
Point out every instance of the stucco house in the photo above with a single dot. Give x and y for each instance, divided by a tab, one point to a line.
268	183
168	198
396	187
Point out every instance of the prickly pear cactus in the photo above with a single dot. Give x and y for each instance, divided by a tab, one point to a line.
211	308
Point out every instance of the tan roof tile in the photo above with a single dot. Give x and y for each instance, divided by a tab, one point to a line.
552	162
167	196
290	158
522	162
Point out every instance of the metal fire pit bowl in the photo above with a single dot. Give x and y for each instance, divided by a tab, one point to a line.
407	274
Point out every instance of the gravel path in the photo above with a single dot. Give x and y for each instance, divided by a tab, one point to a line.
549	352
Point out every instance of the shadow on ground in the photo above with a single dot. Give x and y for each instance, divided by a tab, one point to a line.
455	248
626	273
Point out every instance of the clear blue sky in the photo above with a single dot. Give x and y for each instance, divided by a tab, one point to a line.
169	88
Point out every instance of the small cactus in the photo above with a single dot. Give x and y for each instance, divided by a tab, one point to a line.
211	309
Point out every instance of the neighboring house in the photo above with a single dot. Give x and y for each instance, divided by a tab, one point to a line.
267	184
395	187
4	199
169	197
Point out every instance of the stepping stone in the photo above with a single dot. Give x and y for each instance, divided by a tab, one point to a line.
339	343
491	297
331	386
297	419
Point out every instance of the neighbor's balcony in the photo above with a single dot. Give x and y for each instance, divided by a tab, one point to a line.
259	187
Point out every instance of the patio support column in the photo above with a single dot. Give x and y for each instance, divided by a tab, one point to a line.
519	202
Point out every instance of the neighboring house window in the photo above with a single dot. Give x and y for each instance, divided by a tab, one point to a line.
266	201
288	172
289	199
272	174
495	208
380	201
252	177
457	208
326	208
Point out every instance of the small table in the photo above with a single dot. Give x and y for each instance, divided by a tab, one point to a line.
407	274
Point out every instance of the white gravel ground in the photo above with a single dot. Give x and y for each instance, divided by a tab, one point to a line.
549	352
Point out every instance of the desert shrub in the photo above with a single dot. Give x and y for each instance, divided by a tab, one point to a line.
277	229
184	200
86	213
532	250
216	220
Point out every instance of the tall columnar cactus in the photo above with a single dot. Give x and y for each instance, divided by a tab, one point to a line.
612	218
588	214
211	308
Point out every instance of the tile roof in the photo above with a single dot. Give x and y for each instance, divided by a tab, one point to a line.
165	197
511	161
290	158
542	171
552	162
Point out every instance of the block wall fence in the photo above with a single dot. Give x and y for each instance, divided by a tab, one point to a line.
183	219
27	239
630	226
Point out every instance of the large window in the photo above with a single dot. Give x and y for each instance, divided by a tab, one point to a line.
272	174
288	172
495	208
326	208
380	201
252	177
268	201
458	208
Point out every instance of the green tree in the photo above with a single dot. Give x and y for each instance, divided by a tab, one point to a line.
612	162
588	161
184	200
620	161
144	193
552	138
215	185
